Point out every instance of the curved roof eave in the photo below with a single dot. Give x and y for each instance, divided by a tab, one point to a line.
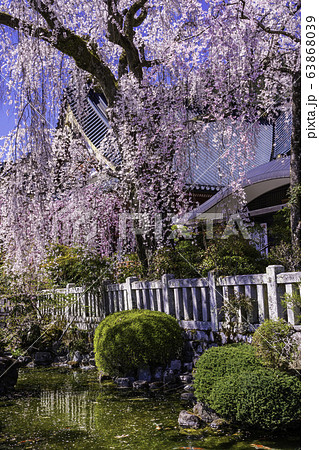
278	169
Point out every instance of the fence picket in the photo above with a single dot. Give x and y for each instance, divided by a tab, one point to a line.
194	302
290	311
204	304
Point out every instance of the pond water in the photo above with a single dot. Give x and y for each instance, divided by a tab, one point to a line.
71	409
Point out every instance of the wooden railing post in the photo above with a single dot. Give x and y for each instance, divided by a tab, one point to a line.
168	294
213	300
131	295
274	302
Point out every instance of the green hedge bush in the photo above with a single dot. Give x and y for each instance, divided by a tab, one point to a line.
265	399
218	362
234	382
127	340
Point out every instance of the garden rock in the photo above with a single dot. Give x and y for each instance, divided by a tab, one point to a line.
188	367
10	377
87	368
77	357
186	379
176	365
43	358
24	360
219	424
206	413
169	377
140	384
199	350
188	397
189	420
124	382
144	374
189	387
158	374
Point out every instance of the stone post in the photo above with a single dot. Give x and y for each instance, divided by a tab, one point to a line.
274	301
168	294
131	294
213	300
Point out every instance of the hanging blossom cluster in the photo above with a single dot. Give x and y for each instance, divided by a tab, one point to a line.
150	126
166	69
56	202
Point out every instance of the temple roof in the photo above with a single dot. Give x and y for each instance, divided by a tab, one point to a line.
208	169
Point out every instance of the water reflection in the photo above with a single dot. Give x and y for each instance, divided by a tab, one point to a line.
77	407
73	410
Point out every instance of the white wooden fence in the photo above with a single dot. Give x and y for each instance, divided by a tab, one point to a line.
196	303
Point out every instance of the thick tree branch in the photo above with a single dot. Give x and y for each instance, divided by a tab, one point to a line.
16	24
131	21
44	11
71	45
121	32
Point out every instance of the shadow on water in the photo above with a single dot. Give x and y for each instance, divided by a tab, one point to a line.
73	410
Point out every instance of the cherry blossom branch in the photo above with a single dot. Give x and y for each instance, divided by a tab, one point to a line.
269	30
73	46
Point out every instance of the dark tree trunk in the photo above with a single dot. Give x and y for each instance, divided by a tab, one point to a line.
295	163
141	252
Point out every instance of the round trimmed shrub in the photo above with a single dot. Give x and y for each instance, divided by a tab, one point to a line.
127	340
219	362
274	343
265	398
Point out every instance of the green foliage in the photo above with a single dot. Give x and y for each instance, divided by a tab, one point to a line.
263	398
279	231
22	324
188	259
232	256
127	340
50	332
293	301
182	260
238	303
129	266
218	362
76	265
286	255
275	345
282	251
294	195
76	339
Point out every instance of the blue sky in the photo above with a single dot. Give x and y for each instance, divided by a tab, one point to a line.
6	122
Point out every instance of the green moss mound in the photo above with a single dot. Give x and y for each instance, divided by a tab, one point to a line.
127	340
265	399
219	362
235	383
